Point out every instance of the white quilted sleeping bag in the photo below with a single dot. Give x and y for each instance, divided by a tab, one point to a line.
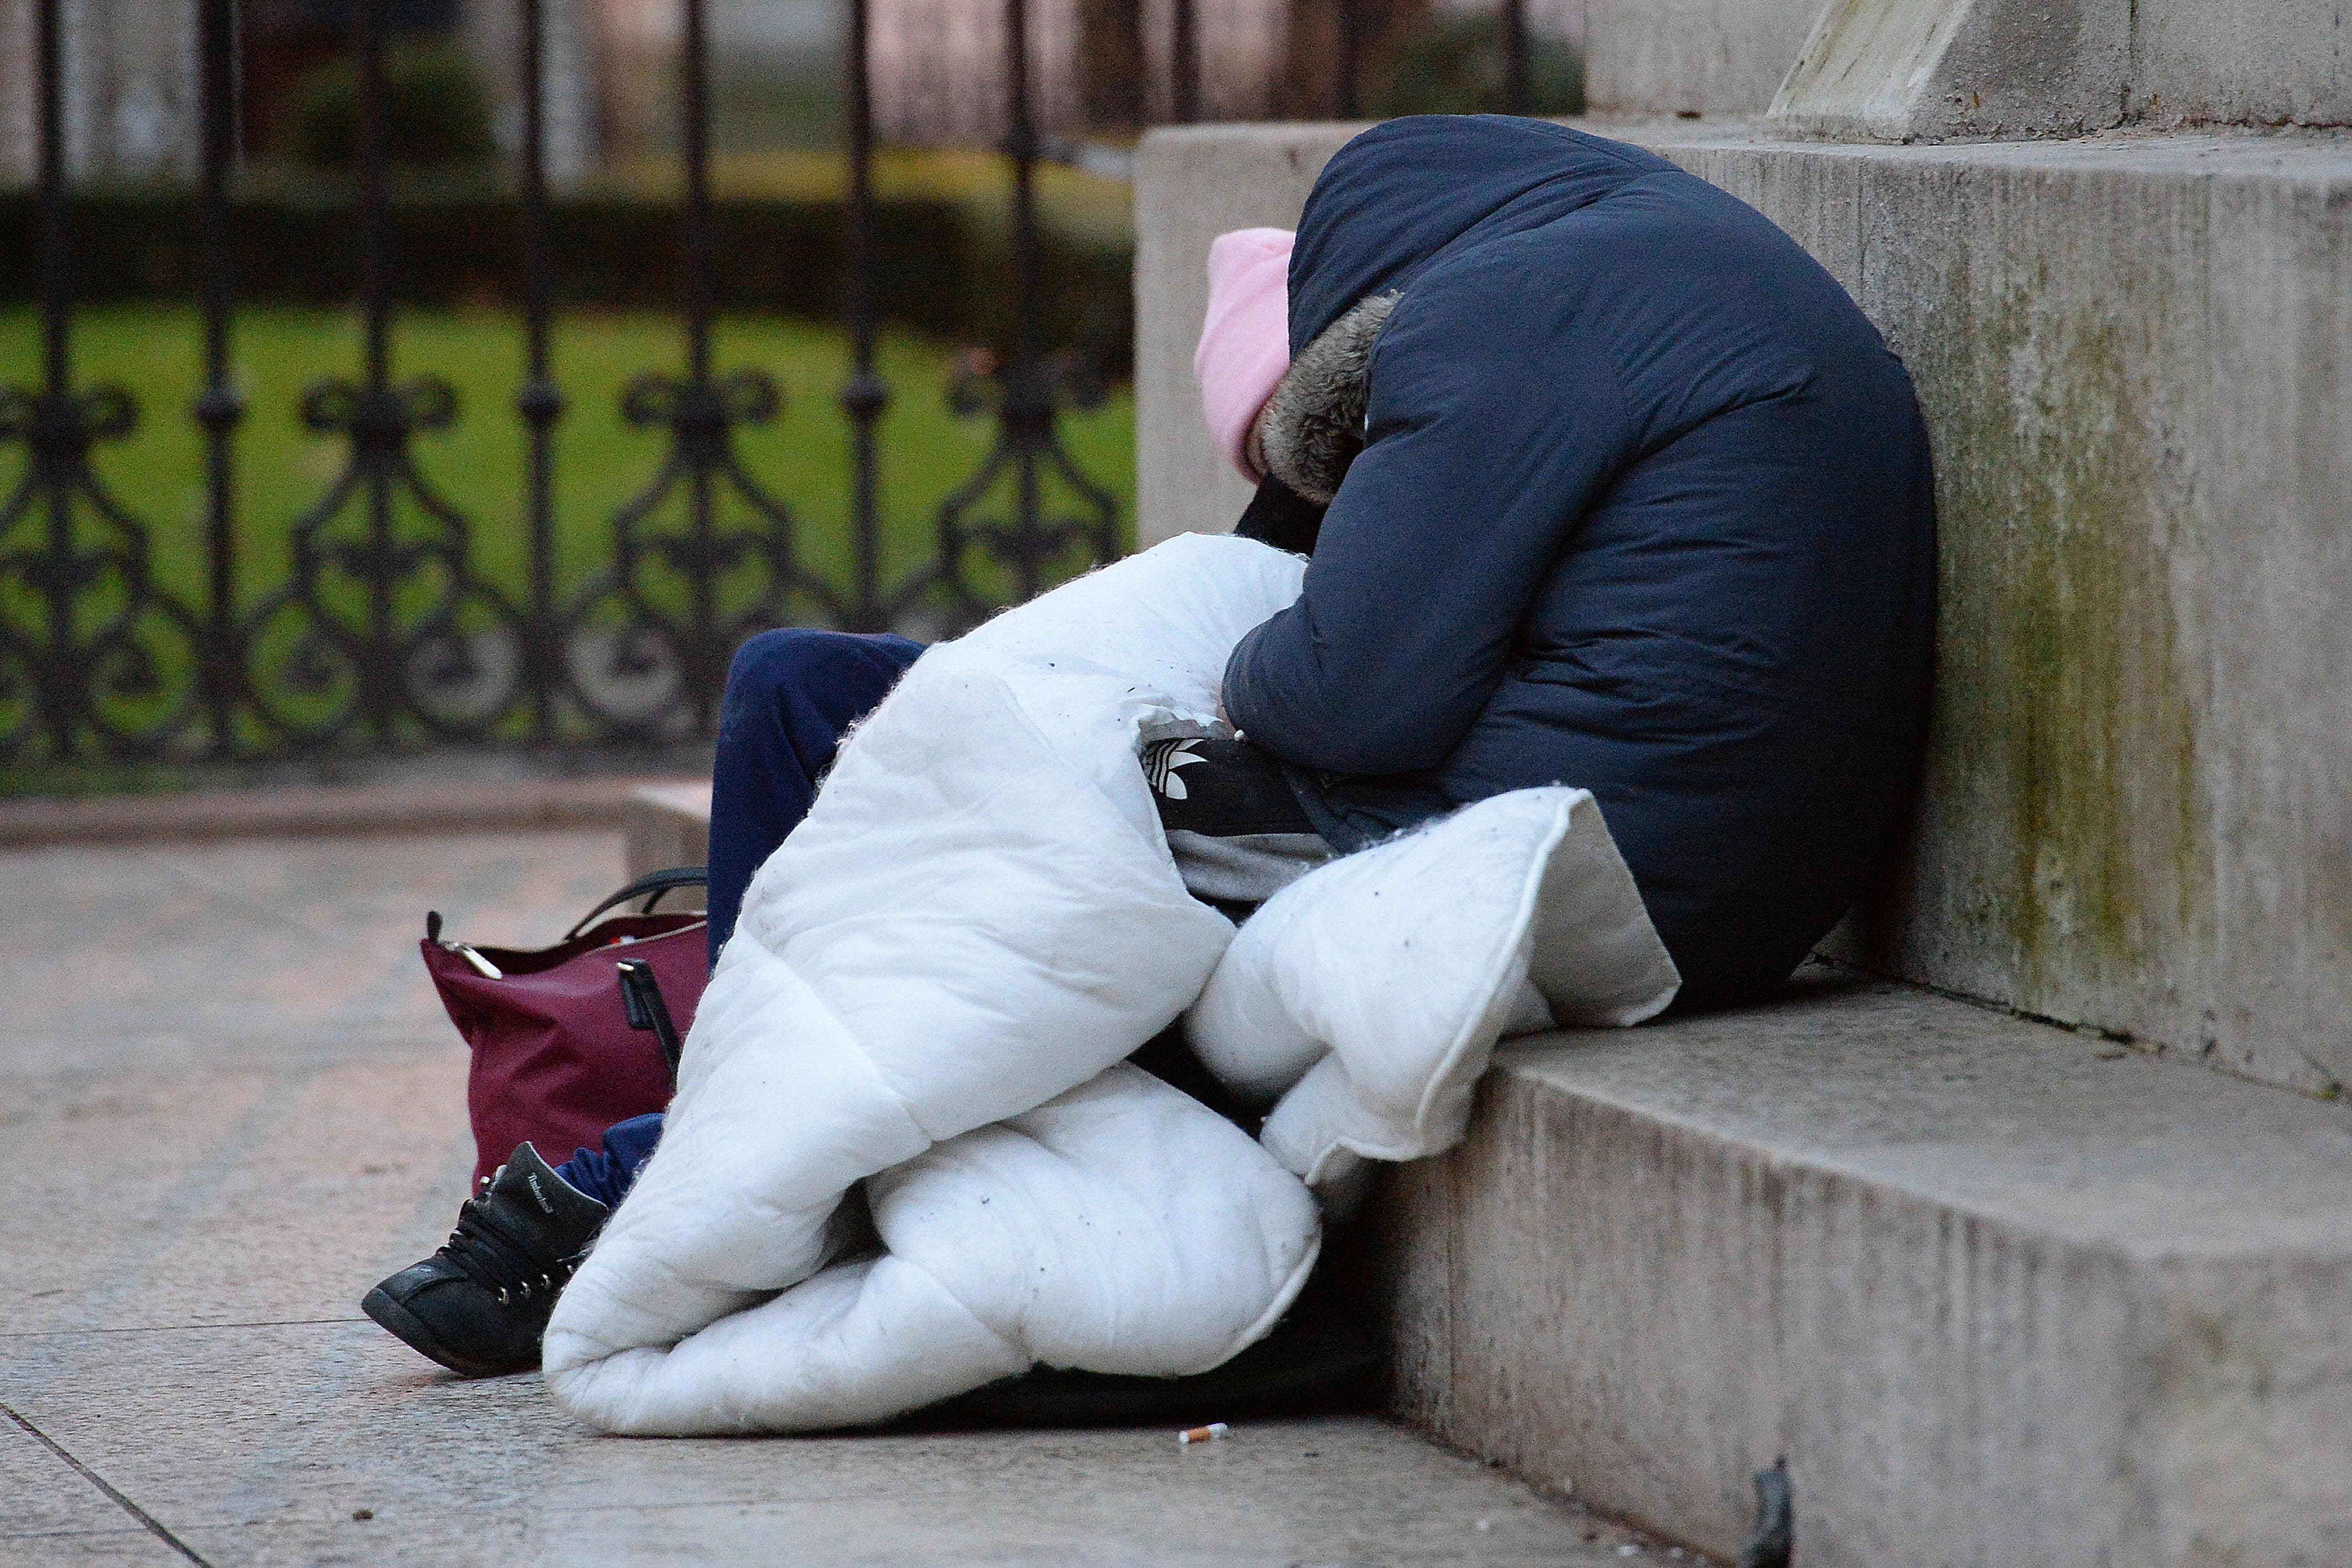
1369	995
927	1002
1117	1227
980	915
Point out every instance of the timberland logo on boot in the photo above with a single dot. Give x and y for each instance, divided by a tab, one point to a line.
545	1207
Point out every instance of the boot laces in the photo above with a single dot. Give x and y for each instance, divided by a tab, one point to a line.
497	1256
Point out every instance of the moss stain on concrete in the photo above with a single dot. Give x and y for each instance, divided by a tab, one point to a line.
2068	719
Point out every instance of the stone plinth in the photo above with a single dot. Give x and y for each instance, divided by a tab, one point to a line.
1937	70
667	825
1706	57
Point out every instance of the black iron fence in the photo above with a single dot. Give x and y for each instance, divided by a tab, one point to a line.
384	632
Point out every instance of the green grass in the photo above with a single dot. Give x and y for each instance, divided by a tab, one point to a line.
283	470
478	464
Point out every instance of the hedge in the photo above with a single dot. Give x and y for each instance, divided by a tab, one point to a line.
937	269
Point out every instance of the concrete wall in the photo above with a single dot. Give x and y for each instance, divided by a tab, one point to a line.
1902	70
2133	357
2280	62
1704	57
1191	185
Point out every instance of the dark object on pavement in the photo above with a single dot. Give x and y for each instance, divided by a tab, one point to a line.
479	1305
1774	1543
556	1058
1321	1358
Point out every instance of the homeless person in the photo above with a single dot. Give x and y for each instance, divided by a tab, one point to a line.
1603	483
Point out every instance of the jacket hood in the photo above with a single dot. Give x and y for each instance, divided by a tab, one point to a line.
1313	425
1405	192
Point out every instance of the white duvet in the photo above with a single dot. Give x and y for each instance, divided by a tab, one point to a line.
905	1157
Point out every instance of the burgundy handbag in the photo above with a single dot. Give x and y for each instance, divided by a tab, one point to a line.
571	1038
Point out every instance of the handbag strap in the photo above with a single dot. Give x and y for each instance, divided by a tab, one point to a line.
642	1006
649	887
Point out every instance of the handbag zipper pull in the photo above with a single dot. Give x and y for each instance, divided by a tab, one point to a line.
482	966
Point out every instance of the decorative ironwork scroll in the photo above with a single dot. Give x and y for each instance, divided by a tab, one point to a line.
379	628
83	625
94	655
652	638
1019	546
385	625
1000	541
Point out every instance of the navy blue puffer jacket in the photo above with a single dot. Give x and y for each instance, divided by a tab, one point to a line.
1643	504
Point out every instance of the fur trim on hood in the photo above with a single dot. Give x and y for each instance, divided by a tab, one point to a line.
1314	423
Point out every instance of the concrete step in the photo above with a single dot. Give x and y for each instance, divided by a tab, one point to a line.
665	825
469	796
2002	1294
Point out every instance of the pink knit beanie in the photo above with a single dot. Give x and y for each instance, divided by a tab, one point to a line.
1245	339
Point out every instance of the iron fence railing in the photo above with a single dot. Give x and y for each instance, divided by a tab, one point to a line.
384	632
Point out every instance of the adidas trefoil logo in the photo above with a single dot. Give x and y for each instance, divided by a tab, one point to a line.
1161	761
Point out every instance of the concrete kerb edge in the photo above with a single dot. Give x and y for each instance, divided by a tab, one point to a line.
319	811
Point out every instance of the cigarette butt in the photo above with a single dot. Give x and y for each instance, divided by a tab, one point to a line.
1200	1434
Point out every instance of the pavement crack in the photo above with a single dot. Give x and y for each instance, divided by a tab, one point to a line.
183	1328
154	1525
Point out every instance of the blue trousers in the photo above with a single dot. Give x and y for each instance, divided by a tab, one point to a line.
790	696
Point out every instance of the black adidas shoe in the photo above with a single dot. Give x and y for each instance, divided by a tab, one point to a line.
479	1305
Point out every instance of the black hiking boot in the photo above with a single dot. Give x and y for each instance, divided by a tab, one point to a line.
478	1305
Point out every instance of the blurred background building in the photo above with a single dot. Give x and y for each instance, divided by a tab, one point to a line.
130	101
1098	67
130	81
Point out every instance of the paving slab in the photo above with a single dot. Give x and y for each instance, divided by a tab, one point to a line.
277	950
232	1102
135	1548
337	1172
41	1495
261	1445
